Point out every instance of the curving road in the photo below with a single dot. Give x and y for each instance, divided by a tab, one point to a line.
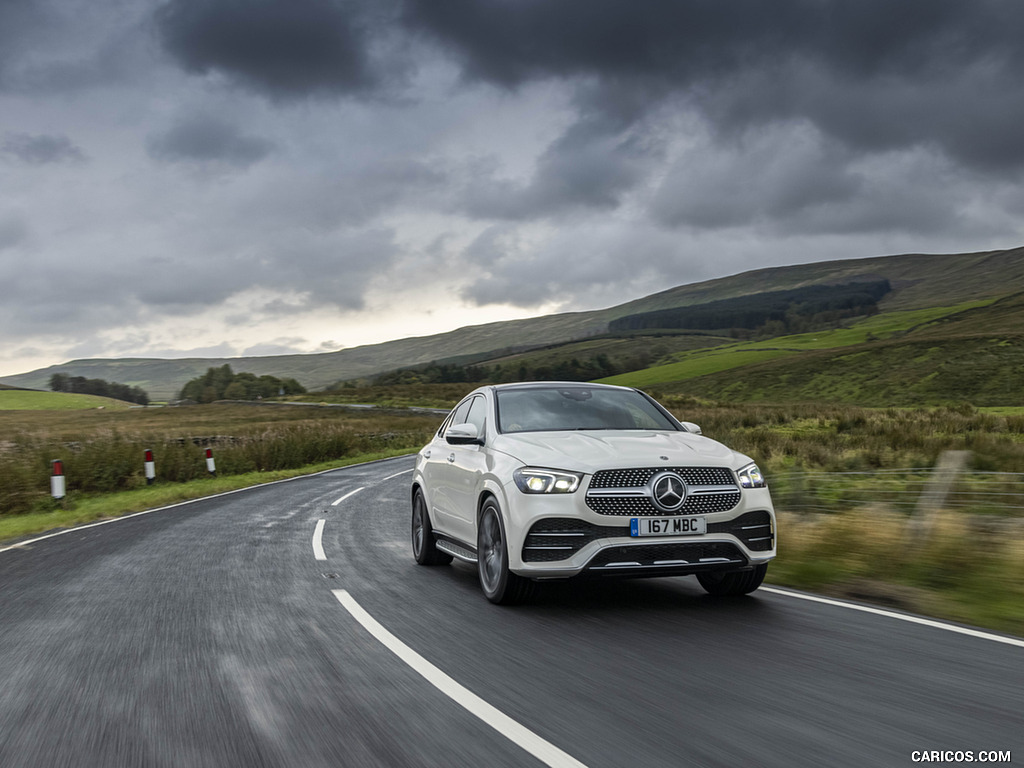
212	634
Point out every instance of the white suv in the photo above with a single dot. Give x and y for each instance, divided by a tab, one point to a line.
551	480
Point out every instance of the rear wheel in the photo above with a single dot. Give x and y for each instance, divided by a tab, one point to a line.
424	546
499	585
732	583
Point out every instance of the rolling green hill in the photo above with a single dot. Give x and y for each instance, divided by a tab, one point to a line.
726	357
968	353
918	282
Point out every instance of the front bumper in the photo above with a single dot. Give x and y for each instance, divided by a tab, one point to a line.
561	537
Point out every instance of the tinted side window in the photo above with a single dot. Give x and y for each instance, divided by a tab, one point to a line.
451	418
478	414
459	417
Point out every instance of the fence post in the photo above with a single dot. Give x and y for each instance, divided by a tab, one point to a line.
936	489
150	467
57	479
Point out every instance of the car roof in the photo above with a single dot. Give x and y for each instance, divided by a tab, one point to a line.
554	385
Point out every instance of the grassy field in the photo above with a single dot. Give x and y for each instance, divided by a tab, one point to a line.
399	396
697	364
102	451
29	400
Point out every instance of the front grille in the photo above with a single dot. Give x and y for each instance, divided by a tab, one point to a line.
655	555
559	538
627	492
754	529
641	506
637	478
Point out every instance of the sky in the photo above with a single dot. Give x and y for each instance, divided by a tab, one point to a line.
217	178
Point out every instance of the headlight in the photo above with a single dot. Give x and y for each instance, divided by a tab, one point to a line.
534	480
751	477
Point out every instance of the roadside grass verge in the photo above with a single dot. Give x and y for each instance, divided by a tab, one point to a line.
79	508
861	470
961	572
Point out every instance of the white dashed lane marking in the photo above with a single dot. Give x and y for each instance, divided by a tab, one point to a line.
519	734
336	502
318	541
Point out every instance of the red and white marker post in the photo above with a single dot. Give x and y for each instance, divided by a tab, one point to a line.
150	468
211	467
57	479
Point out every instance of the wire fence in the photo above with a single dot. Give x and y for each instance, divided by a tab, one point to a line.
971	492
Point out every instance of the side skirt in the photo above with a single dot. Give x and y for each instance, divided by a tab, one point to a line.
457	550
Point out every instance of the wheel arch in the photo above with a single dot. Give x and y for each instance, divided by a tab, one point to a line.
491	489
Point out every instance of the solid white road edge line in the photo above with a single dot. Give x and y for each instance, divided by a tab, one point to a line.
397	474
350	493
901	616
64	531
318	540
543	750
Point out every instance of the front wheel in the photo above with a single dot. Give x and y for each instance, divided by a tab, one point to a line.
733	583
424	546
498	583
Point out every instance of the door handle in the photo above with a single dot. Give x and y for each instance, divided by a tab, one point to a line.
452	458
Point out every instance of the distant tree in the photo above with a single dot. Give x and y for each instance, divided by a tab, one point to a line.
62	382
221	383
235	391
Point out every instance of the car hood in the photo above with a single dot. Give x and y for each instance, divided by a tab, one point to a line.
590	451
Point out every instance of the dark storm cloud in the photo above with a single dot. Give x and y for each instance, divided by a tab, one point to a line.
40	149
281	48
875	74
795	177
203	139
20	20
582	169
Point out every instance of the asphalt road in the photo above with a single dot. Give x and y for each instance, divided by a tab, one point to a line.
210	634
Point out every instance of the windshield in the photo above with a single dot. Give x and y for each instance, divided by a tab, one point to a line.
542	409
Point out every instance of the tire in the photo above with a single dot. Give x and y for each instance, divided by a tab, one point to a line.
424	545
499	585
733	583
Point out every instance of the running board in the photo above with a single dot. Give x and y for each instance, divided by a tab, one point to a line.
455	550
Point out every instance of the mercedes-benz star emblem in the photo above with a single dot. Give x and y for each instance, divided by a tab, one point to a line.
668	491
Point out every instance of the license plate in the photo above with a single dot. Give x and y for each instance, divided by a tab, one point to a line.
667	526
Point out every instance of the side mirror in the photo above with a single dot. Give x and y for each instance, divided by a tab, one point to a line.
691	427
463	434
